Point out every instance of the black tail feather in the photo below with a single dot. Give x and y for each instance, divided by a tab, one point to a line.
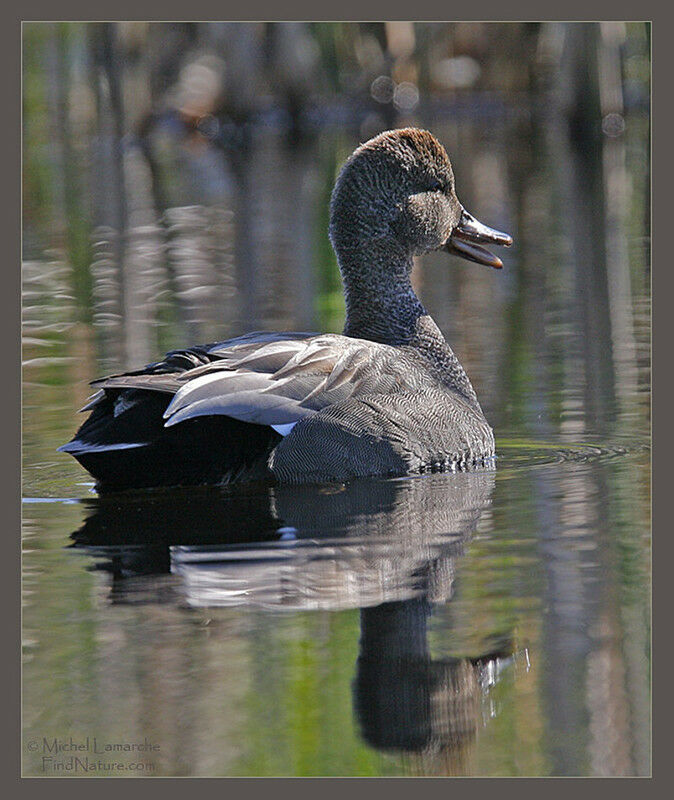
125	445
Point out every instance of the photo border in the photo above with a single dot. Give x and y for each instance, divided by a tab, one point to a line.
264	10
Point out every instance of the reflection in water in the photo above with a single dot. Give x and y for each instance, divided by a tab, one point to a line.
333	547
405	700
325	548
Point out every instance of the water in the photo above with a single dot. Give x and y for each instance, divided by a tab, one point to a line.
482	623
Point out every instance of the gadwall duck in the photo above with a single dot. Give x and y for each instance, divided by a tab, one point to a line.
387	397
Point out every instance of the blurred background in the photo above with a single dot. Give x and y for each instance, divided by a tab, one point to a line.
176	181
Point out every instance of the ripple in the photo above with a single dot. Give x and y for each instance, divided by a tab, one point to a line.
524	454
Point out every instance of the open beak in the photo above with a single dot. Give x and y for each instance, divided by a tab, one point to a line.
469	234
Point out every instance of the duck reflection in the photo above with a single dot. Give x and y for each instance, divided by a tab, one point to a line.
328	547
407	701
386	547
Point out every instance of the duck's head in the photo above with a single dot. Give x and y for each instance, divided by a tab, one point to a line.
398	190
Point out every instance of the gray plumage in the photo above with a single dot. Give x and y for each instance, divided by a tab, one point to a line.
388	396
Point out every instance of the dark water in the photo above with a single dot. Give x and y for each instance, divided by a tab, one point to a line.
485	623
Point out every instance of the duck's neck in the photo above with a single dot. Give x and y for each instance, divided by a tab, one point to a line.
381	304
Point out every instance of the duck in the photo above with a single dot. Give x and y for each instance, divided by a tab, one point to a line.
386	397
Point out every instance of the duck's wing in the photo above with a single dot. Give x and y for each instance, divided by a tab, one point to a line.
166	375
279	382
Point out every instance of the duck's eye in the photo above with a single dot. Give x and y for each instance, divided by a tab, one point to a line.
436	186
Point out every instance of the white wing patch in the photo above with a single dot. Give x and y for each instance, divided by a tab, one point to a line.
284	430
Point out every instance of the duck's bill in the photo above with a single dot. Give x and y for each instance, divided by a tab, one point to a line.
467	237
